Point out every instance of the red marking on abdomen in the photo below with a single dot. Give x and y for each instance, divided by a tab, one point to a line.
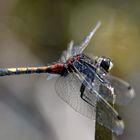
57	68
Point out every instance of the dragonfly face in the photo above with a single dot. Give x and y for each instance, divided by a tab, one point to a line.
105	63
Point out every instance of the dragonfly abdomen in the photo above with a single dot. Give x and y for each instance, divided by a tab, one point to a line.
53	69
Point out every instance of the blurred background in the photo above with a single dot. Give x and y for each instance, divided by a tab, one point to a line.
34	33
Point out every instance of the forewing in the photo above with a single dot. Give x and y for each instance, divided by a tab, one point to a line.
107	115
74	49
123	91
86	40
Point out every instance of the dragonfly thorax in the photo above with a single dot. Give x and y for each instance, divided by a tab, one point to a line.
73	58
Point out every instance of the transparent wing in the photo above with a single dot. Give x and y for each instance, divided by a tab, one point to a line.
123	91
51	76
68	89
107	115
74	49
88	70
67	53
80	48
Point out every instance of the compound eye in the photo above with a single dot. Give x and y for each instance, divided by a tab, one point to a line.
106	64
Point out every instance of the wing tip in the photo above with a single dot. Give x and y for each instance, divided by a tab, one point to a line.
119	126
95	28
131	91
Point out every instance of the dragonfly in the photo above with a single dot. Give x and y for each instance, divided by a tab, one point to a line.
84	82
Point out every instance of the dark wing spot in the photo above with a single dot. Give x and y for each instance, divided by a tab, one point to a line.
129	87
119	118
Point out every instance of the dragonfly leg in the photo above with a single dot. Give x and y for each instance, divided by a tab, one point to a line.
83	96
82	89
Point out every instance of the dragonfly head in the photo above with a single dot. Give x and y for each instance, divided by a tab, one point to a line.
105	63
